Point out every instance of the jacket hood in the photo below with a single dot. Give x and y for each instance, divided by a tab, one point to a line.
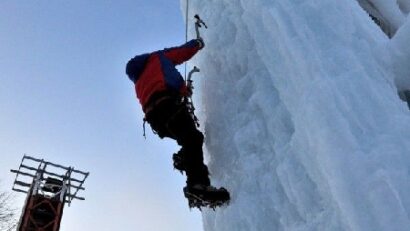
135	66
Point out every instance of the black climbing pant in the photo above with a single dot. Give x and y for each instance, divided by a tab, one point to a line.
171	118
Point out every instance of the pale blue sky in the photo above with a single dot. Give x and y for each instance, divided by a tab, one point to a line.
64	97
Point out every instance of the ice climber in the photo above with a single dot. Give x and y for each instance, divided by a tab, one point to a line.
160	89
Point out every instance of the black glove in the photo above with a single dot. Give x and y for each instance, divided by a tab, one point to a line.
201	42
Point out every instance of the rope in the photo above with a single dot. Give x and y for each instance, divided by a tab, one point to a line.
186	32
186	21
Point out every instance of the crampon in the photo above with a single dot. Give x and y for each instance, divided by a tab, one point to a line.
200	196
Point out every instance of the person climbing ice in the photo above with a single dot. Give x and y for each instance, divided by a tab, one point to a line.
160	90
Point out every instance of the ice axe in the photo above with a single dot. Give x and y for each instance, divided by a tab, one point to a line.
198	24
189	80
188	99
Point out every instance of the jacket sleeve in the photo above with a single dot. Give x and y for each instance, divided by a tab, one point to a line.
183	53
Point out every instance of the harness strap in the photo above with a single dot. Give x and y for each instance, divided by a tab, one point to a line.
152	105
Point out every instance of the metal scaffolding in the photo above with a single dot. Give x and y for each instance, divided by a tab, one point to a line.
48	187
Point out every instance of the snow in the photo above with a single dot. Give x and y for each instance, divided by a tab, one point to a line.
303	122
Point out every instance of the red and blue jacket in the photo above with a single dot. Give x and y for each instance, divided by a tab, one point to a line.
156	72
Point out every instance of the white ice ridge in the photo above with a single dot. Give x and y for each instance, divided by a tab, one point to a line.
389	14
302	118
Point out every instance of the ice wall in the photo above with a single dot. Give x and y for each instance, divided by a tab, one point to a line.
389	14
398	57
302	119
